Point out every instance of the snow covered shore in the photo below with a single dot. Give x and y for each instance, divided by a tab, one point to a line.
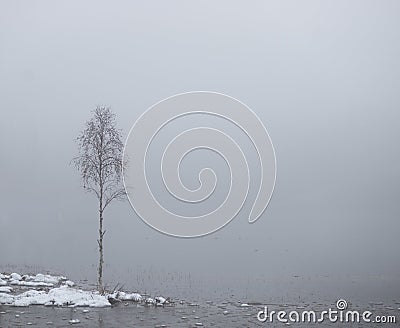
60	296
51	290
40	280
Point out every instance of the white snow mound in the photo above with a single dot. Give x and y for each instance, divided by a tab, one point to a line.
61	296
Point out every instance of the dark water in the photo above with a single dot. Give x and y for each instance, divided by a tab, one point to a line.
133	315
215	301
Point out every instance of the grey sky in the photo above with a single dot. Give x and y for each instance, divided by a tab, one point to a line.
323	76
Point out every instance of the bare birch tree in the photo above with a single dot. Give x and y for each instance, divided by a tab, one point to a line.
100	165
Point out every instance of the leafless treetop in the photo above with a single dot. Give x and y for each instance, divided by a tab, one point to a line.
100	157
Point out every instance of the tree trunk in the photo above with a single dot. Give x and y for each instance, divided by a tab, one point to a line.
101	261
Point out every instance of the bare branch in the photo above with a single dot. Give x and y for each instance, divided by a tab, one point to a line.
118	195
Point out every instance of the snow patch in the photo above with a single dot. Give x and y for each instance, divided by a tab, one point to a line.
6	298
30	283
15	276
46	278
61	296
6	289
40	280
128	297
69	283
